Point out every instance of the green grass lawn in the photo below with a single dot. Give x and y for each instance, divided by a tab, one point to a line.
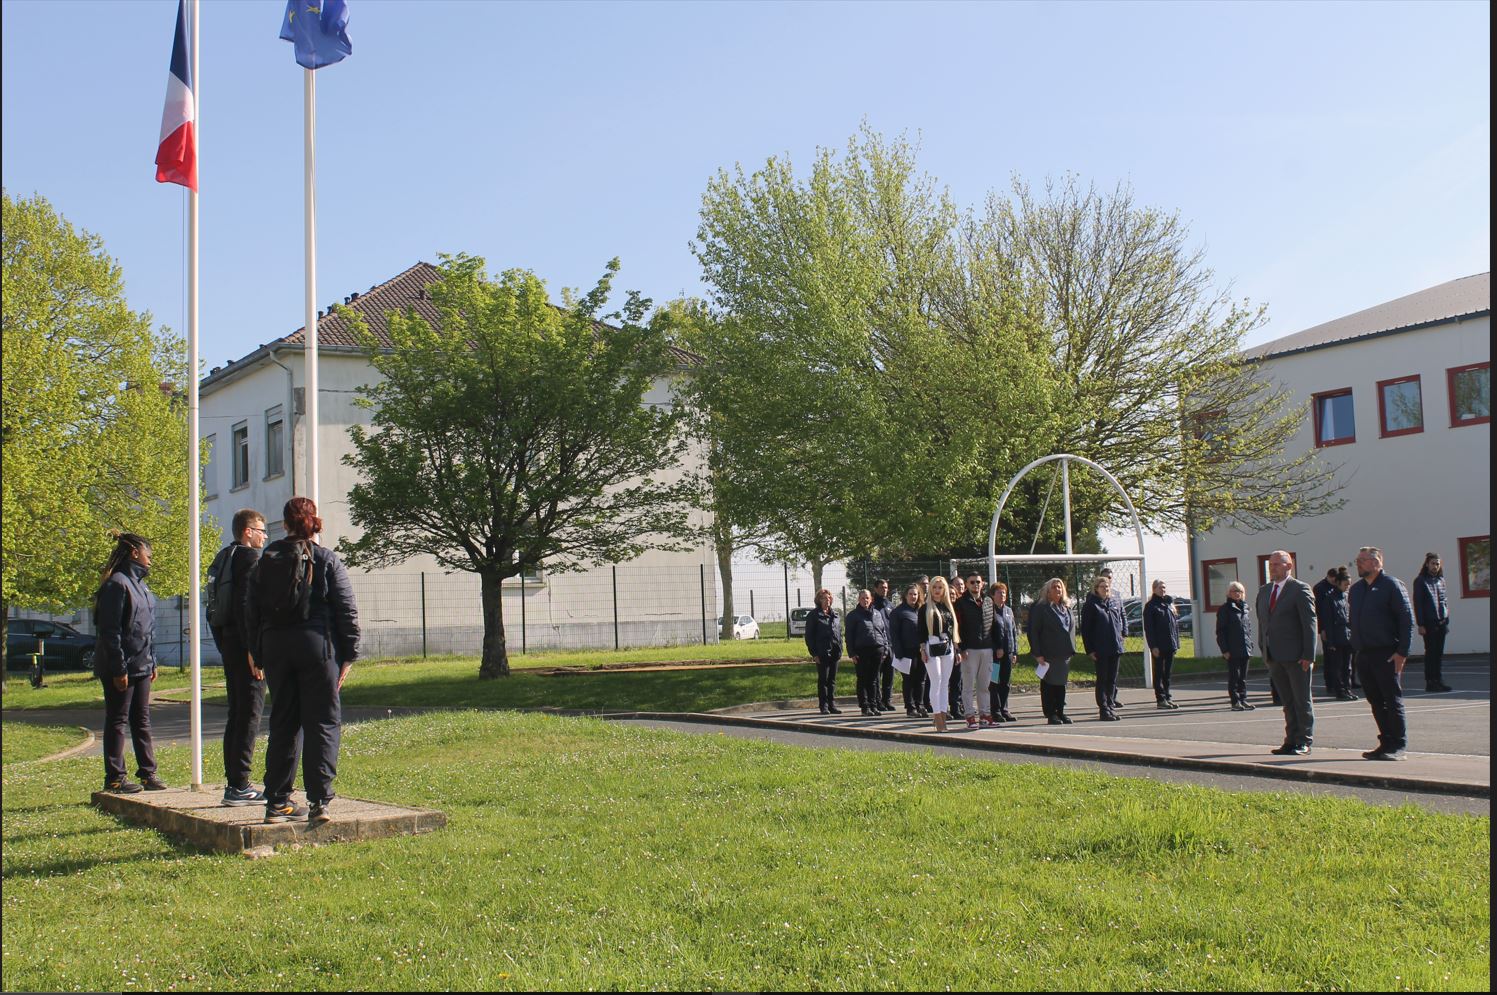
22	741
453	681
583	855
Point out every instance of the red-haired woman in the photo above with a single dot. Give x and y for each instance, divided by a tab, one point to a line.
304	633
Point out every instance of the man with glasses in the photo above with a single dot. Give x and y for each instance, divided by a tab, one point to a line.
974	623
244	680
881	603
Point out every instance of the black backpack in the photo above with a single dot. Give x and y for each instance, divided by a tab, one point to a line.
282	582
219	595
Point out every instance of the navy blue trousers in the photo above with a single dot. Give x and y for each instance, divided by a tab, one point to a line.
1383	690
130	710
306	717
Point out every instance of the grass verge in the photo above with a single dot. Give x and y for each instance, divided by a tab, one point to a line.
22	741
582	855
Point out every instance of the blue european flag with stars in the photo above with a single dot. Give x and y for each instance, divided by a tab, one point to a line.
318	29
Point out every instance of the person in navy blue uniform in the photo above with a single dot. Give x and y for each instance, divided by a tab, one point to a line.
125	662
305	664
1234	638
867	633
1432	616
882	603
1102	637
1382	626
904	644
1052	640
1335	628
824	641
1005	640
1162	629
244	681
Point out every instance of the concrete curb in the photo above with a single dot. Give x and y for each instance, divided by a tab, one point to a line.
1384	780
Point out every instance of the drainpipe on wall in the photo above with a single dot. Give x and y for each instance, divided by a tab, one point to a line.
290	415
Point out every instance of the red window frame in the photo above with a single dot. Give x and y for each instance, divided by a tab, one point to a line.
1263	565
1382	410
1455	420
1206	566
1315	400
1473	592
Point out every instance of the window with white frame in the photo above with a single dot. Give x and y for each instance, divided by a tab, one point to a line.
239	455
275	443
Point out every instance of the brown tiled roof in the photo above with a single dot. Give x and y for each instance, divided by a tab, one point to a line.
407	290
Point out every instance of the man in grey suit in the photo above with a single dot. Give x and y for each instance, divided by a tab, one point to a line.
1286	634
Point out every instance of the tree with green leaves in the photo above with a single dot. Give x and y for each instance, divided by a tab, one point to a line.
95	436
867	394
517	433
1147	375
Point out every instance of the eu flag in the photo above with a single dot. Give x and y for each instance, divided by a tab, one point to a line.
318	29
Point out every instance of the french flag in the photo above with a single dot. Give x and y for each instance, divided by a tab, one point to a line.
177	156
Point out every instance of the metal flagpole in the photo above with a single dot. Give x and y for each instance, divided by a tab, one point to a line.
195	477
310	91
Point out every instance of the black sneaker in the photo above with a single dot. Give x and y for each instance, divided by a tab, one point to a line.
319	814
122	787
236	797
287	812
152	783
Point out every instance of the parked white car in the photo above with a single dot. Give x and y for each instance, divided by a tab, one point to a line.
798	621
744	627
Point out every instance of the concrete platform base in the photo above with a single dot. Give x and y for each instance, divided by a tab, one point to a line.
199	818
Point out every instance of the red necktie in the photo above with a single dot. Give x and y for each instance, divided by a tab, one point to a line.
1273	598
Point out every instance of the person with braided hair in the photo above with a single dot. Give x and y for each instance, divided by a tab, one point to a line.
125	662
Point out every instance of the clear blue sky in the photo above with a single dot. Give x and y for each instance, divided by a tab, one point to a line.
1328	156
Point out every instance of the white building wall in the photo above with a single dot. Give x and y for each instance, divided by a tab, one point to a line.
1408	494
662	597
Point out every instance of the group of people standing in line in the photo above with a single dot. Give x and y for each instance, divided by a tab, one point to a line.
964	646
940	637
285	618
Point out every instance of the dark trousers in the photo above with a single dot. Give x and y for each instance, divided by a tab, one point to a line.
305	714
886	681
1107	682
1053	700
1338	669
1237	667
1383	690
954	692
128	709
826	681
246	703
1434	655
867	664
1004	667
1163	664
916	686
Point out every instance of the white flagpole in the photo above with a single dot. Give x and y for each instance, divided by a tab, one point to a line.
194	503
310	91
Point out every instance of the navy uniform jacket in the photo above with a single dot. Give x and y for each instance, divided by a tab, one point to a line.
1234	629
1431	610
1161	624
904	632
125	613
1102	626
1381	614
823	636
867	632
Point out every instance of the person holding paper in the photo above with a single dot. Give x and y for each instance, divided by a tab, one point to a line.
904	641
1052	638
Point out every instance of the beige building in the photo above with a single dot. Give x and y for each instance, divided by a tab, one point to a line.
252	414
1400	396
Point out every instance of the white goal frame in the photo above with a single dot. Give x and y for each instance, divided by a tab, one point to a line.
1070	555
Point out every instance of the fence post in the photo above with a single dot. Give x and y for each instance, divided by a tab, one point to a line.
702	569
522	609
615	606
787	600
423	614
181	628
752	613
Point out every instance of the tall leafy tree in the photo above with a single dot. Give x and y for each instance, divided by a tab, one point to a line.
95	438
859	410
1147	375
516	433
